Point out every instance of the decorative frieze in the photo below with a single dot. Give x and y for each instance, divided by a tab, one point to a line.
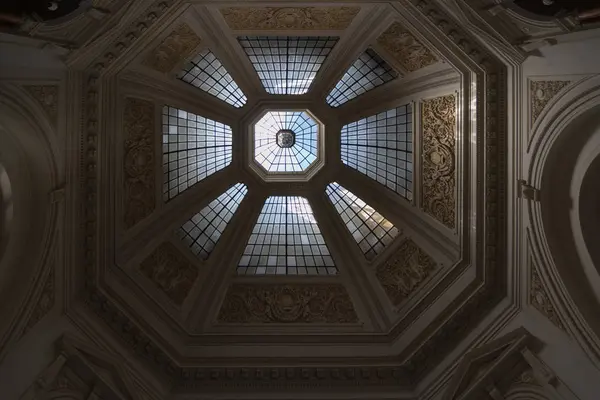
291	303
541	93
139	174
406	50
283	18
438	126
173	50
404	271
539	298
170	271
47	97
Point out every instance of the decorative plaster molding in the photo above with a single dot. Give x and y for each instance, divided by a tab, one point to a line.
47	97
290	303
138	165
170	271
405	271
438	125
539	298
174	49
541	93
405	48
44	304
283	18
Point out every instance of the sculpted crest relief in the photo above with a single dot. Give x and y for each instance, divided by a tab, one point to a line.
175	48
270	18
438	124
405	48
316	303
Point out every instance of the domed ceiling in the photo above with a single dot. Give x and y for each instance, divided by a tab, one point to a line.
291	196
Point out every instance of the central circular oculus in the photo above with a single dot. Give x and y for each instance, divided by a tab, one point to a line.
286	138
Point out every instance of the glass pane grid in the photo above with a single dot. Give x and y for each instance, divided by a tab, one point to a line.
367	72
380	146
207	73
194	147
202	232
286	240
275	158
287	65
371	231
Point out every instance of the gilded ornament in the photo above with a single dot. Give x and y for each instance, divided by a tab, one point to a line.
174	49
282	18
405	48
170	271
318	303
438	122
541	93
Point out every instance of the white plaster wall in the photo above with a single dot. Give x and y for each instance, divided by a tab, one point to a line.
581	56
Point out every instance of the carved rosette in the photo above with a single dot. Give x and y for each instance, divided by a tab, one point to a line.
541	93
297	303
438	124
47	97
411	54
282	18
174	49
138	163
405	271
540	300
168	269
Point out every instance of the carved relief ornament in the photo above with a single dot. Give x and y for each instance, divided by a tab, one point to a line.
175	48
281	18
47	97
405	48
540	300
541	93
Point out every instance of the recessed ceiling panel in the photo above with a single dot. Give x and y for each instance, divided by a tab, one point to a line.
367	72
202	232
380	146
206	72
370	229
194	147
286	240
288	64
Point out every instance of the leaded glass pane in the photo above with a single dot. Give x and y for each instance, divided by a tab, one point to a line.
194	147
380	146
207	73
285	141
286	240
371	231
287	65
202	232
367	72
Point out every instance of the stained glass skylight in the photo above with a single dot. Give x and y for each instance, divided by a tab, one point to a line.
287	65
370	229
206	72
194	147
380	146
285	141
202	232
367	72
286	240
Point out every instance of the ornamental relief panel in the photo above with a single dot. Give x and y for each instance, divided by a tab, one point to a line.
293	303
406	50
405	271
170	271
438	125
47	97
541	93
540	300
173	50
138	164
282	18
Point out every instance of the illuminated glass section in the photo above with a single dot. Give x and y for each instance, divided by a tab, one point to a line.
207	73
370	229
285	141
286	240
202	232
194	147
287	65
380	146
368	72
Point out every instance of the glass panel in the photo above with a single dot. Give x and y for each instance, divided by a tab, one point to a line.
286	240
368	72
370	229
207	73
287	65
294	155
194	147
202	232
380	146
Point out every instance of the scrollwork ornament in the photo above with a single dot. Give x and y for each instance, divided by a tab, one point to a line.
283	18
406	49
541	93
174	49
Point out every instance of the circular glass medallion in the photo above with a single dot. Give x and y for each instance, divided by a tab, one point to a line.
286	138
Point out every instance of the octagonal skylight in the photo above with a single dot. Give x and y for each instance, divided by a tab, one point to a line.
285	141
